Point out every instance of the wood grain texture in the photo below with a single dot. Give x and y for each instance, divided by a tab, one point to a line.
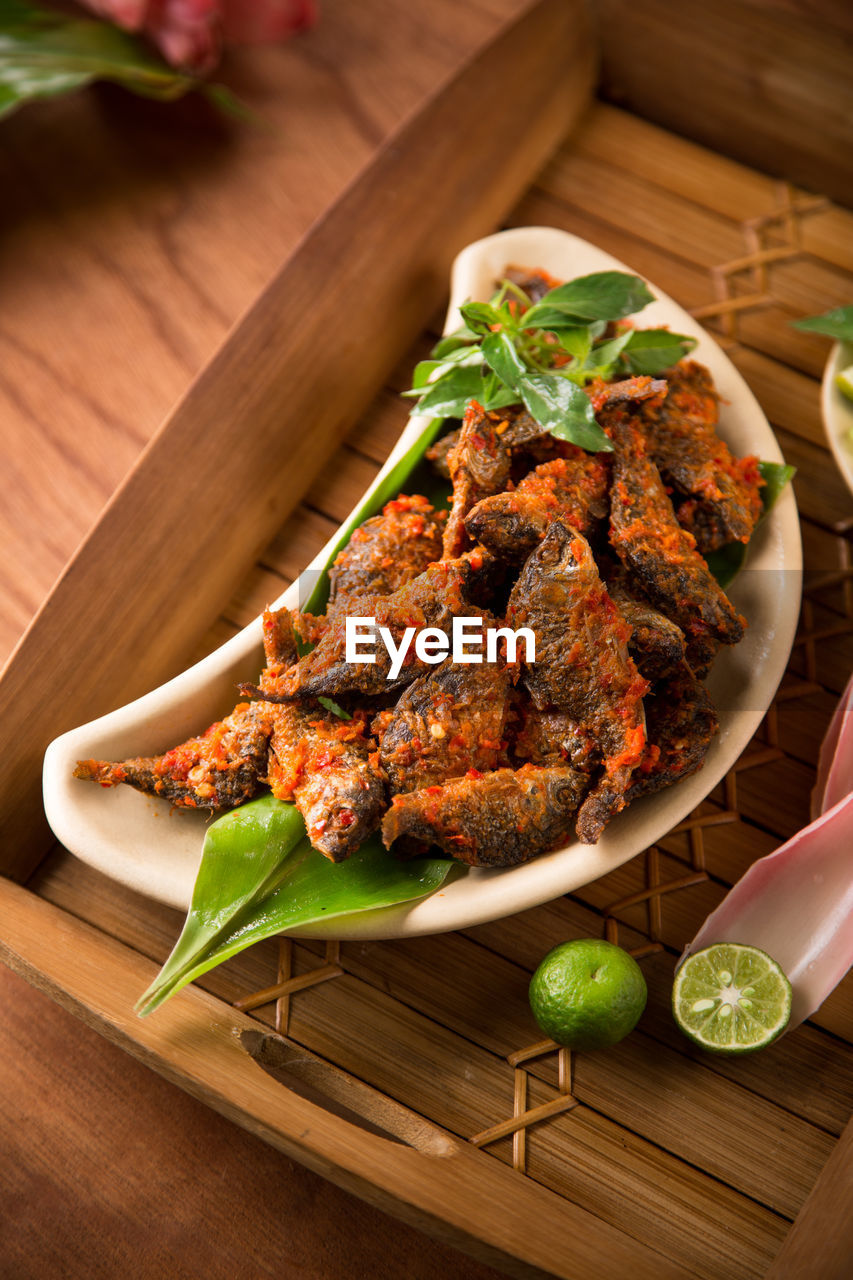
155	1164
134	235
253	401
435	1018
767	83
820	1243
197	1036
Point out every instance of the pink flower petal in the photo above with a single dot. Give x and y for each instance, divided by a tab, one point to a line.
256	21
187	32
835	766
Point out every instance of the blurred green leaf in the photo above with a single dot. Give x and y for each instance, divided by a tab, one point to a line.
44	52
605	295
837	324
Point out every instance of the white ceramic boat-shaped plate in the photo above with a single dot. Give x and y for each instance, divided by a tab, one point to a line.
837	410
151	848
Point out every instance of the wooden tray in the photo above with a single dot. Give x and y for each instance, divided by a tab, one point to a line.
410	1072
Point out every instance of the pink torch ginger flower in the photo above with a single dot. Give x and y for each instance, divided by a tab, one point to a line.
190	34
797	903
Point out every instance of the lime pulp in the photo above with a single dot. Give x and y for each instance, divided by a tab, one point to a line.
731	998
844	381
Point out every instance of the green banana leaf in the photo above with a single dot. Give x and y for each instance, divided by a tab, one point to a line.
259	876
44	52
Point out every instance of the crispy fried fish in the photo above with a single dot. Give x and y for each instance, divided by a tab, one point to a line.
582	663
532	281
553	738
280	649
388	550
660	554
383	555
490	820
442	592
447	722
681	723
479	465
529	443
218	770
656	645
723	491
572	489
329	768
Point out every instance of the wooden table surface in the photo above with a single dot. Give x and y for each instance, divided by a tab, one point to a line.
132	237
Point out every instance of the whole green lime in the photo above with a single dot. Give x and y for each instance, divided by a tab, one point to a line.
587	994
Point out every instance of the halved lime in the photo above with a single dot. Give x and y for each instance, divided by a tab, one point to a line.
731	998
844	381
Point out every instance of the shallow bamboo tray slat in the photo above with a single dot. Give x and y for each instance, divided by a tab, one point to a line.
653	1159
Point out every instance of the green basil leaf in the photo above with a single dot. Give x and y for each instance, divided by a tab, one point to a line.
604	295
43	53
259	877
564	409
837	324
424	369
555	402
651	351
604	355
480	317
420	377
500	355
500	397
575	341
726	562
461	337
448	395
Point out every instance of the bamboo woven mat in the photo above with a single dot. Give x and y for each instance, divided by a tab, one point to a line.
707	1161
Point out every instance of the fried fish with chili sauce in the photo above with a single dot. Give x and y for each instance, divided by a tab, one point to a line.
441	593
493	819
280	651
656	645
218	770
681	723
582	663
529	443
660	554
681	429
447	722
572	489
388	550
330	770
532	281
553	738
479	465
